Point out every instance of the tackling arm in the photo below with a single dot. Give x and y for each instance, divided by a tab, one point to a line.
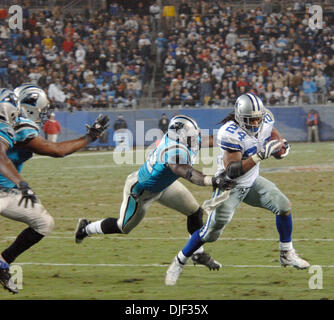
188	172
222	181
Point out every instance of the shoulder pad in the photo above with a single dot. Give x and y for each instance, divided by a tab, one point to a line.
25	129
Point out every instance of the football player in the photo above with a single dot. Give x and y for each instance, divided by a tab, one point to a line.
157	180
244	140
19	202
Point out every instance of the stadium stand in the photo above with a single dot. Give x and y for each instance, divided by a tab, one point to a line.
177	54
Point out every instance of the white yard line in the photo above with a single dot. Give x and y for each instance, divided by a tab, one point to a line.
125	238
120	265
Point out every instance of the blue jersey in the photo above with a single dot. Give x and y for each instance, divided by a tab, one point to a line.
25	130
154	175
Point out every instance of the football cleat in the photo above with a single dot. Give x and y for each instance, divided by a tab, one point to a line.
7	282
173	272
291	258
80	231
204	259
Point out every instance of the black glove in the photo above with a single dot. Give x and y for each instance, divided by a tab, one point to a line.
27	194
97	128
223	182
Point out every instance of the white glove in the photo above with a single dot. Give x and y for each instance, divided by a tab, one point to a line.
268	149
287	148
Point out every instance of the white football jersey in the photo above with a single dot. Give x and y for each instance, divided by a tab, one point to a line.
232	138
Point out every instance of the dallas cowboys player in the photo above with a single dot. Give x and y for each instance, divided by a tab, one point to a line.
156	180
244	139
32	100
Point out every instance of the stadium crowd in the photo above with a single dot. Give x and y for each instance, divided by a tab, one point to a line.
215	54
97	60
210	54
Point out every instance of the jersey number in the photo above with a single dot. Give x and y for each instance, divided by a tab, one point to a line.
152	159
231	129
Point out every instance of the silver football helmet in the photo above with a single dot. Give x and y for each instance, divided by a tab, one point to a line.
9	109
33	101
248	108
186	131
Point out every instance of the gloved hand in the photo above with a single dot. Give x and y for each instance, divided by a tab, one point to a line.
27	194
97	128
268	150
223	182
286	148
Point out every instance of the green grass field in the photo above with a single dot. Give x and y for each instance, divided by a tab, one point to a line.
122	267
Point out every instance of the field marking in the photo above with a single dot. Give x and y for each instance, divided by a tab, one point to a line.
122	265
125	238
176	218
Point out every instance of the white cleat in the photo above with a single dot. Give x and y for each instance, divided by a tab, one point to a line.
173	272
291	258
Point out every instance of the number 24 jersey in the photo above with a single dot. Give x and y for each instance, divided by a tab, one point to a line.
232	138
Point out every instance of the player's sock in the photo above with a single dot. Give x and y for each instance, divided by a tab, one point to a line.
193	244
27	238
110	225
105	226
94	228
182	258
284	228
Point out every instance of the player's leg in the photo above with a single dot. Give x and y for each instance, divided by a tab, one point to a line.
211	231
133	208
265	194
40	224
179	198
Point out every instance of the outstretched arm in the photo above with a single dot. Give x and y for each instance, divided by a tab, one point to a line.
61	149
222	181
55	149
188	172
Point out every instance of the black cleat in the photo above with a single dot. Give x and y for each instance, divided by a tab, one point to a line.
80	232
7	282
204	259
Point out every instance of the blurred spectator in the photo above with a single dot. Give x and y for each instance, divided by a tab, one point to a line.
312	126
309	89
120	123
51	128
155	12
163	123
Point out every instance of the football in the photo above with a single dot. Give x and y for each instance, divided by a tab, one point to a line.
276	136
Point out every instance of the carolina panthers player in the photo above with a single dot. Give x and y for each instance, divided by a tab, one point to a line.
8	115
156	180
32	100
244	139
